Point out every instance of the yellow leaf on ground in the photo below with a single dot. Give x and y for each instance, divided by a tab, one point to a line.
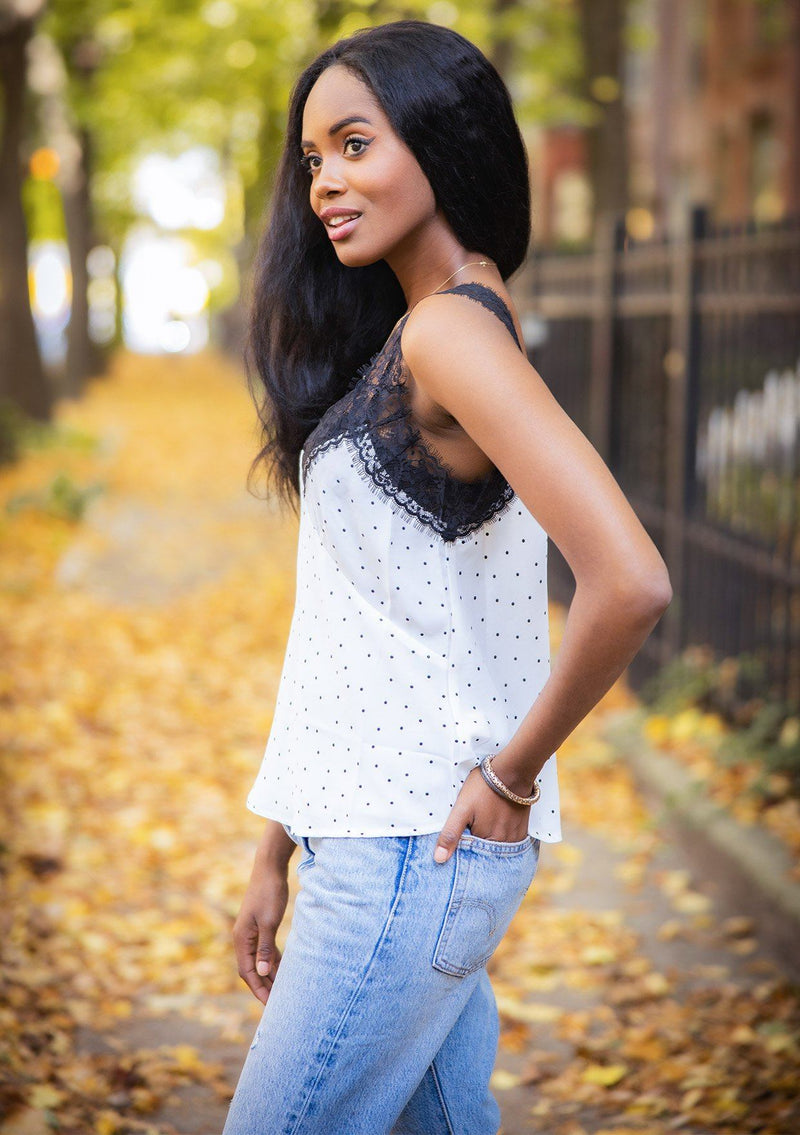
598	955
656	728
187	1057
606	1075
501	1079
45	1097
628	1131
686	725
691	902
27	1122
738	926
671	929
527	1011
106	1123
656	983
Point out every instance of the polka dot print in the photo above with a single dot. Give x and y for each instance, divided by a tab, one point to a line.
410	657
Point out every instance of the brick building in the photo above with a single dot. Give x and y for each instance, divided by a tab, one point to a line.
713	113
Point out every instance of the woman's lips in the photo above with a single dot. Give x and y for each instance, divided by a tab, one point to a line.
342	230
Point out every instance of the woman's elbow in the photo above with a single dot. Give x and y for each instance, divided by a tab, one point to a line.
639	586
649	589
643	590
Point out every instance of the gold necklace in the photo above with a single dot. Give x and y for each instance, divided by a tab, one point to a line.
483	264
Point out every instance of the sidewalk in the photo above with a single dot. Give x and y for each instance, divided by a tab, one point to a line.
758	854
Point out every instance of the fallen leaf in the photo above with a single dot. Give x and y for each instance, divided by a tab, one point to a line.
606	1075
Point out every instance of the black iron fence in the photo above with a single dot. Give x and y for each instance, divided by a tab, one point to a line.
680	360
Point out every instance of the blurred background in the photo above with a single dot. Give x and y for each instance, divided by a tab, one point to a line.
650	981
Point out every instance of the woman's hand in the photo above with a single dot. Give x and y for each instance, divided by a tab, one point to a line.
488	816
254	931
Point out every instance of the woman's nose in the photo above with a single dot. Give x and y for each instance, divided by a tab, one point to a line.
328	180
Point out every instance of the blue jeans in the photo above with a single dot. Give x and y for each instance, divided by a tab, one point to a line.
382	1019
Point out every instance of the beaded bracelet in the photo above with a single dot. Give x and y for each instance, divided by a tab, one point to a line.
494	781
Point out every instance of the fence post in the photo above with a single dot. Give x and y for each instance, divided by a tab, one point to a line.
681	364
608	241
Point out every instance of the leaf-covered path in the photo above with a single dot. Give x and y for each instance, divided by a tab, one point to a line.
143	648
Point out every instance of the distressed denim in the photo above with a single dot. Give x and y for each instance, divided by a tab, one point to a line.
382	1019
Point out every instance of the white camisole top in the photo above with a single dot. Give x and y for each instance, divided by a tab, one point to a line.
419	638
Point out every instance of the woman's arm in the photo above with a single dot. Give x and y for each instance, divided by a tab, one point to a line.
465	360
262	911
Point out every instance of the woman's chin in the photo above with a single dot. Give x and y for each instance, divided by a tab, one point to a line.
357	258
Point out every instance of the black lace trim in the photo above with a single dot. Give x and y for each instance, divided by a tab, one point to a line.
373	417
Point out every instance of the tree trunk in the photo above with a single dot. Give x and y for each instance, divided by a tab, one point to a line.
602	25
22	376
83	357
503	48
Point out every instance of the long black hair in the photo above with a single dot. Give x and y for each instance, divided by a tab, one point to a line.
313	321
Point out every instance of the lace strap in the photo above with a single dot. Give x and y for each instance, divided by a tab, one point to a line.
488	297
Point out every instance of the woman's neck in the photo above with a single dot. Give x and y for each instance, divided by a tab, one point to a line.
430	258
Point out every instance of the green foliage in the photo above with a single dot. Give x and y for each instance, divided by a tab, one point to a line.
683	682
766	729
169	74
44	210
61	497
51	435
165	76
696	678
20	433
773	22
772	737
177	73
547	60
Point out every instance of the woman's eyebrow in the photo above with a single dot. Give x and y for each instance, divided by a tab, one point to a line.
338	126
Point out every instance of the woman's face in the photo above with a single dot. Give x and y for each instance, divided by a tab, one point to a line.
363	167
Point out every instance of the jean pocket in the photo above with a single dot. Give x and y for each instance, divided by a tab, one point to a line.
501	847
490	880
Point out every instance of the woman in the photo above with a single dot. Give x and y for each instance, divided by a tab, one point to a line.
411	755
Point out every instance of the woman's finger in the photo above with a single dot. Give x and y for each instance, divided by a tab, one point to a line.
449	836
246	945
267	955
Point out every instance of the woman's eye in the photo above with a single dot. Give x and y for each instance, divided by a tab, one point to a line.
307	160
357	141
